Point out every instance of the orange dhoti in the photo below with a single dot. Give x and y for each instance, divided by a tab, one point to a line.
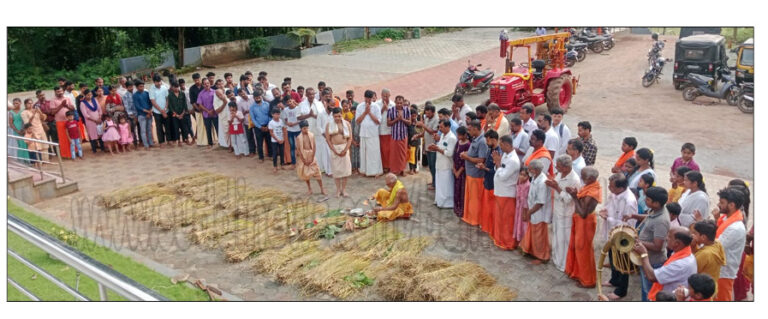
473	200
489	209
398	155
724	289
580	263
383	197
503	223
384	145
536	241
61	130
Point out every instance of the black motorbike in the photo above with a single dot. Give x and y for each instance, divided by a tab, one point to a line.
579	47
746	102
608	41
654	71
654	53
723	88
594	42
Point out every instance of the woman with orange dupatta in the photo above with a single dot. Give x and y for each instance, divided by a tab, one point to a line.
580	263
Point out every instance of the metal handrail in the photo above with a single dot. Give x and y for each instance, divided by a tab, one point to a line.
103	275
56	147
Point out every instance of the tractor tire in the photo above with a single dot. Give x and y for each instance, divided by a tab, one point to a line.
597	47
560	93
690	93
581	55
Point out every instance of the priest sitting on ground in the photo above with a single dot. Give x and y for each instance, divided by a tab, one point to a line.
393	201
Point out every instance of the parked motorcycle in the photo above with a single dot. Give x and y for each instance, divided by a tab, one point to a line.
728	90
654	53
747	97
580	48
608	41
571	57
474	80
654	71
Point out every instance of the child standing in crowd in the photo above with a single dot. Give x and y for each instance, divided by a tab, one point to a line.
414	141
458	171
686	159
646	180
237	131
354	150
276	132
678	187
628	152
73	133
111	134
126	137
629	169
523	185
34	154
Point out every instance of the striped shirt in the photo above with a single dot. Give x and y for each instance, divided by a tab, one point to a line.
399	129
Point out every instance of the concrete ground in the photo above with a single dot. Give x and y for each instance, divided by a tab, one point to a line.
633	111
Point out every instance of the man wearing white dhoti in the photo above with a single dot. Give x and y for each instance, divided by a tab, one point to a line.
368	116
444	165
563	208
324	116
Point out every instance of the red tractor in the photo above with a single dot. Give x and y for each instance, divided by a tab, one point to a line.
541	80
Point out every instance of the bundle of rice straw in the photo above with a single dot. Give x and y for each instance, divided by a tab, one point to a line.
492	293
198	183
248	242
212	192
403	246
309	259
378	234
329	275
207	233
272	261
145	209
454	283
181	215
395	278
123	197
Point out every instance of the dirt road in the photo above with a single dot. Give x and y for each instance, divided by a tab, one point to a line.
612	99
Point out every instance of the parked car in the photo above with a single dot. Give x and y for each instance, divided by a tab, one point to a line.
699	54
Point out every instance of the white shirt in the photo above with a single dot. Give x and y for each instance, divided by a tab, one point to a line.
323	118
530	125
733	239
448	144
237	118
618	206
578	164
277	129
189	103
690	202
121	90
539	193
384	129
463	115
505	179
676	273
291	115
552	141
367	127
268	96
563	138
244	104
636	178
159	95
564	206
304	108
521	142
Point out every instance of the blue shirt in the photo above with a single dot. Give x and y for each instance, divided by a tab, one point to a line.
489	174
454	126
260	114
141	102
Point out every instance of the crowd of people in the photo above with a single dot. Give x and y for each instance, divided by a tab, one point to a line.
526	181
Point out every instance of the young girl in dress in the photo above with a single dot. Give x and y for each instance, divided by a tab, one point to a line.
111	133
458	171
523	185
237	135
126	138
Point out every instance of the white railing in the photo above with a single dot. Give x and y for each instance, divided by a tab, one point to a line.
57	154
105	277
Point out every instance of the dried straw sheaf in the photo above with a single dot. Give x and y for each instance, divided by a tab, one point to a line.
124	197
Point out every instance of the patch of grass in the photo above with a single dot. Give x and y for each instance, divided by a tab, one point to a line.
742	34
46	290
356	44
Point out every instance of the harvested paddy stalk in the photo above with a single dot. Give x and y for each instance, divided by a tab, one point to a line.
454	283
335	275
182	214
396	276
125	197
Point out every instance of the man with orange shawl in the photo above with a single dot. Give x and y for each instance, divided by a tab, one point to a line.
732	234
473	191
496	121
676	270
580	263
538	151
393	201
